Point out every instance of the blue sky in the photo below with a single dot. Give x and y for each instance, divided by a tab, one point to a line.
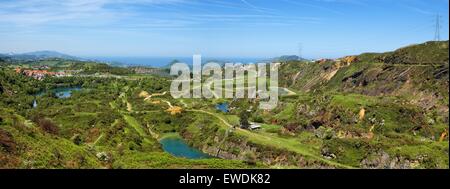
217	28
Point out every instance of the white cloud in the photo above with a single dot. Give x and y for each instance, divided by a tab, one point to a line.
30	12
29	15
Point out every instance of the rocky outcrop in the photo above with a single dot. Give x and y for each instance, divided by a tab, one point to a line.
239	148
382	160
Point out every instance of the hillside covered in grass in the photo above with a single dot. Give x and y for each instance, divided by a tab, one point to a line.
375	110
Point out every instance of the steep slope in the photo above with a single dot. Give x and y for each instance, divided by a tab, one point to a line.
383	110
22	145
419	72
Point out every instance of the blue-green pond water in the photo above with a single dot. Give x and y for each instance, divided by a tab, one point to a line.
179	148
62	92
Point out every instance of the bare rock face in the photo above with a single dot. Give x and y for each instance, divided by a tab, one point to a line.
382	160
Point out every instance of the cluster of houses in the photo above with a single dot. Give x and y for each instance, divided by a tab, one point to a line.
39	74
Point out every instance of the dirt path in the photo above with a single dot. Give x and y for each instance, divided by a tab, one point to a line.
98	139
155	94
218	117
168	103
153	134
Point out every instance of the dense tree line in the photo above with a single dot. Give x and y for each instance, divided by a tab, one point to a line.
93	68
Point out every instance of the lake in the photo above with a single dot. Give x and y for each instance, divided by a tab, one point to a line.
179	148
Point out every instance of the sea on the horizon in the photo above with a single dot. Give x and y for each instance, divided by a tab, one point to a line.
159	62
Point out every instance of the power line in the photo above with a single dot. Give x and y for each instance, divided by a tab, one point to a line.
300	49
437	33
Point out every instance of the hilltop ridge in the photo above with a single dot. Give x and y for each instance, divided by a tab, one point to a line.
431	52
38	55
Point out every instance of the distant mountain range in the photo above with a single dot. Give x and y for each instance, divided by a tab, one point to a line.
123	62
286	58
38	55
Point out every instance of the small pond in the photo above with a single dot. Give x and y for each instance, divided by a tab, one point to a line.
179	148
222	107
61	92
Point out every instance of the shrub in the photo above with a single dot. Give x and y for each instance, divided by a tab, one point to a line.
48	126
250	158
7	142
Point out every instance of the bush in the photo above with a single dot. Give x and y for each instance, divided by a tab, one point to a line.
48	126
250	158
258	119
7	142
291	127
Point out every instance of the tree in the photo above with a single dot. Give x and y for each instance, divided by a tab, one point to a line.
243	119
2	62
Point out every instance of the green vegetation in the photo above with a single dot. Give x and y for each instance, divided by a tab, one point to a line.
387	110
